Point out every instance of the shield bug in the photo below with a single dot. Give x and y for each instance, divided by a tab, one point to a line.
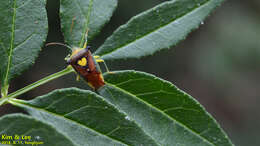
85	64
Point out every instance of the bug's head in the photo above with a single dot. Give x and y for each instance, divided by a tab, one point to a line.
87	48
76	54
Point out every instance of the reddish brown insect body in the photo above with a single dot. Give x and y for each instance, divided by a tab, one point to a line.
86	66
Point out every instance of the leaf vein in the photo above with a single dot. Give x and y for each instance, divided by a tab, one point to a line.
24	41
21	103
180	123
8	127
83	107
5	84
112	96
157	29
114	130
24	4
130	80
87	18
54	102
180	108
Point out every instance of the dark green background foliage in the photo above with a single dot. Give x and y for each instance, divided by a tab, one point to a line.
218	64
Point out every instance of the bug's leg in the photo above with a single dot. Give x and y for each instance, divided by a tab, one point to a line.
96	57
67	57
102	61
72	24
77	78
77	75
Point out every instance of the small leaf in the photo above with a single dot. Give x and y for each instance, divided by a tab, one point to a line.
21	125
85	118
167	114
23	28
158	28
78	15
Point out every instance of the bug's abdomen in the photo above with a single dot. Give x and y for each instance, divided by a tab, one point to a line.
95	79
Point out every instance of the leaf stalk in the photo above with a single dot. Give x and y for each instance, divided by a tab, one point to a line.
49	78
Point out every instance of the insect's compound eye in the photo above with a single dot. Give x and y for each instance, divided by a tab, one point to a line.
82	62
88	48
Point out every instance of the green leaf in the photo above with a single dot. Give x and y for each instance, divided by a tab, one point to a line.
22	125
78	15
23	28
167	114
85	118
158	28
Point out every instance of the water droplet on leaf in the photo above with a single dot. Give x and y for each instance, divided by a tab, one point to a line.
127	118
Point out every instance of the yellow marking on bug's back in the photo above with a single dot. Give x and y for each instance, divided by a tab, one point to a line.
82	62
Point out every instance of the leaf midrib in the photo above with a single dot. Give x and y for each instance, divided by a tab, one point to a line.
21	103
87	19
130	42
5	84
178	122
133	121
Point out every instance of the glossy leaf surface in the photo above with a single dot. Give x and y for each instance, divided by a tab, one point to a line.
165	113
160	27
85	118
25	129
23	29
79	15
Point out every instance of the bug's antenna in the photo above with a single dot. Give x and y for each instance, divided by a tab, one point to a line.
72	24
57	43
86	38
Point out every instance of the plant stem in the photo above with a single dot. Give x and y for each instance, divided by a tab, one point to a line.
67	70
3	101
